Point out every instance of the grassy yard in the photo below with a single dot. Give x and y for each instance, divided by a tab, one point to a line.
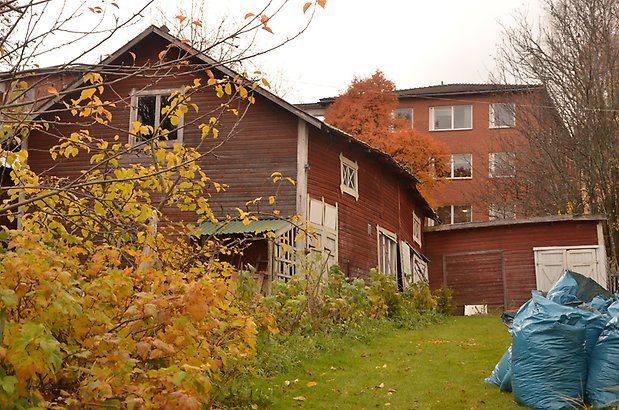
439	367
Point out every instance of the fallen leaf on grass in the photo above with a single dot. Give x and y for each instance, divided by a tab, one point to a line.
380	386
299	398
311	384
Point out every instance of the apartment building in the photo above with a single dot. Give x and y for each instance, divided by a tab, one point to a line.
478	123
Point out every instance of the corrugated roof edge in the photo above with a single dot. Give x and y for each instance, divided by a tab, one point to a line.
512	222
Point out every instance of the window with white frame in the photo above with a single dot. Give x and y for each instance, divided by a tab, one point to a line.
501	211
453	214
156	111
460	166
501	164
454	117
387	251
349	177
404	114
416	229
323	221
502	115
285	263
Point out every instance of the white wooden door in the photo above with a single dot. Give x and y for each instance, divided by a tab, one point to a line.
549	266
550	263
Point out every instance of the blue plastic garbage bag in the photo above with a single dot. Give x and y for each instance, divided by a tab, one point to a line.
549	362
603	376
501	375
565	290
601	304
613	309
573	287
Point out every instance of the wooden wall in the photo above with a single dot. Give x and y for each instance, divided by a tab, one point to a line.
243	156
472	261
384	198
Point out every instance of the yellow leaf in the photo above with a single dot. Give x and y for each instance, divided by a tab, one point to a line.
228	89
266	83
133	55
271	200
311	384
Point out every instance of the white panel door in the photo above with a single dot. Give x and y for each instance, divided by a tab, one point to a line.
585	262
405	263
551	263
549	266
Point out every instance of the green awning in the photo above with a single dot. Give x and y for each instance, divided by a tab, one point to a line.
238	227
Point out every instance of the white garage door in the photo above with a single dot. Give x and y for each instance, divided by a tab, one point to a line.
550	263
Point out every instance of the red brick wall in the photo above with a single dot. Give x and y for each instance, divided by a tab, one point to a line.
478	141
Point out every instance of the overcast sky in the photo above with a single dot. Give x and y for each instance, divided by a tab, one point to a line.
415	43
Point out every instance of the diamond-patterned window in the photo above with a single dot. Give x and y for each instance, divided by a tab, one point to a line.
349	177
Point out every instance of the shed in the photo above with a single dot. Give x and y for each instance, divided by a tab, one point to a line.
498	263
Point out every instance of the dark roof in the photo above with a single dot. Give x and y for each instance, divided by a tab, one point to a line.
443	90
450	89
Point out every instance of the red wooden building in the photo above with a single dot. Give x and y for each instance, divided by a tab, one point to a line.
498	263
365	208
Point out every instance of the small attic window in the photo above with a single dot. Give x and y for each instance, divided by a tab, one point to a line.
349	178
153	109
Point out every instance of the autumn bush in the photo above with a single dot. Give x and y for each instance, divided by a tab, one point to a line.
89	332
341	303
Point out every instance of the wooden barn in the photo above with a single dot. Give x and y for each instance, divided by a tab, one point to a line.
498	263
364	207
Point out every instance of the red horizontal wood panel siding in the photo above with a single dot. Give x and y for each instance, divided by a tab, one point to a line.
516	242
246	153
385	198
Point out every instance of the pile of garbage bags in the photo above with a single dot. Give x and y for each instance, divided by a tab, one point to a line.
565	347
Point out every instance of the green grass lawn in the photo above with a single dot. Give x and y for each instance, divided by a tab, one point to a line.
439	367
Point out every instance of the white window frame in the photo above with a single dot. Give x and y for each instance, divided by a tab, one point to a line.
133	116
452	214
492	117
452	128
498	212
407	110
417	229
452	168
493	161
390	259
345	164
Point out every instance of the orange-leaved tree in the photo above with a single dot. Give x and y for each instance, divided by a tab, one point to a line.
366	111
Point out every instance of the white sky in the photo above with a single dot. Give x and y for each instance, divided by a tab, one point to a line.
415	43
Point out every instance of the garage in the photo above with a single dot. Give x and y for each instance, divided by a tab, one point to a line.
498	263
